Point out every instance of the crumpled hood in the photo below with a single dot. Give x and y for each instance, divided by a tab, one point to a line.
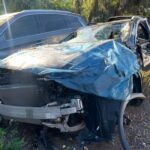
54	56
101	68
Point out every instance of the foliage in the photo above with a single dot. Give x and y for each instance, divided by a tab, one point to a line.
9	141
18	5
97	10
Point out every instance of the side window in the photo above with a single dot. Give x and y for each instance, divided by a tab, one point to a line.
52	22
142	32
73	22
22	27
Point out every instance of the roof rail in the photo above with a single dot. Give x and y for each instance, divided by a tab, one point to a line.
136	17
45	10
115	18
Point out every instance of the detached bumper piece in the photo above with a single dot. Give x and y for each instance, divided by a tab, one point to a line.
59	115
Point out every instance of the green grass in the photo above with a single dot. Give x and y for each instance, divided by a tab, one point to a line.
9	140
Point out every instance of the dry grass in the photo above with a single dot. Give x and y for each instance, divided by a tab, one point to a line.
146	82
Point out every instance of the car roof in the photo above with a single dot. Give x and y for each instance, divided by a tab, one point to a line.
115	18
8	15
40	11
36	11
118	21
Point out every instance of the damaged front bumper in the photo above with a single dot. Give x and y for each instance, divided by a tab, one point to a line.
59	115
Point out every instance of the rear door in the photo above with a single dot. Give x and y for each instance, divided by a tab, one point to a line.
55	27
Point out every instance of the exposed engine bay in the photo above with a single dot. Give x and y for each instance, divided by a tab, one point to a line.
26	90
29	84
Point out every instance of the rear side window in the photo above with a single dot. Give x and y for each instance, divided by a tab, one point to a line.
73	21
52	22
22	27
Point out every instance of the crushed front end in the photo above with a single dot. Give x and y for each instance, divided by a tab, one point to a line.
71	86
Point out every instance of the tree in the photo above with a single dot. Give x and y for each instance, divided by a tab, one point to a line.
97	10
77	5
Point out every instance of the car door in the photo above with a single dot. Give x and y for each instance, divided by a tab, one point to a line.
143	39
55	27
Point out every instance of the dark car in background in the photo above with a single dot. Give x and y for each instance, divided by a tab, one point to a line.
35	27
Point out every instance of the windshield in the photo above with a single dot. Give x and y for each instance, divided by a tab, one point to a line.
103	31
6	17
117	30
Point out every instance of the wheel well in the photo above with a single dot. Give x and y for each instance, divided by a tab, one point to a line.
140	56
137	88
137	84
